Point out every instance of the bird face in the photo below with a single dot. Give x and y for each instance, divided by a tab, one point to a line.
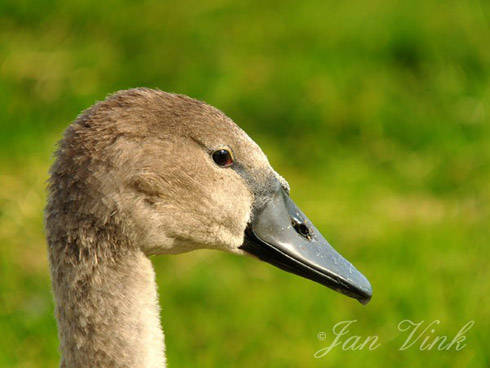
181	175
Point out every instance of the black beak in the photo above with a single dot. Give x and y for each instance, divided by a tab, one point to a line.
282	235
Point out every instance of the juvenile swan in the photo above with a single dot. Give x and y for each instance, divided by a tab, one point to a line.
147	172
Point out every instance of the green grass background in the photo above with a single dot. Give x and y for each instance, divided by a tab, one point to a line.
376	112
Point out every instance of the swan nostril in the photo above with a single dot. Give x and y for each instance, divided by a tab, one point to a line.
301	228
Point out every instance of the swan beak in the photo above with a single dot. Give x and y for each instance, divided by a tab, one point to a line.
283	236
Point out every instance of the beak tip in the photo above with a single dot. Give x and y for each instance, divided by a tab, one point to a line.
364	299
367	293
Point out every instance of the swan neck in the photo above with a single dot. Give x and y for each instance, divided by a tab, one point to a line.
107	312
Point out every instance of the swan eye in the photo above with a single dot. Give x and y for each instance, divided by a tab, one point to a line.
223	157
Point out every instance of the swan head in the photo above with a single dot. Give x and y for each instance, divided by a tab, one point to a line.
172	174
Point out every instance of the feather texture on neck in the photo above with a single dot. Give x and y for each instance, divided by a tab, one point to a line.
107	311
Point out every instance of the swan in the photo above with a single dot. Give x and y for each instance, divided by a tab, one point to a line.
144	173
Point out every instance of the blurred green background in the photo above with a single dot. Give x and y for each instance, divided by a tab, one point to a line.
376	112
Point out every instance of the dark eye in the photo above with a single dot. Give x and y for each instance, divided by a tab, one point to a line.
223	157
